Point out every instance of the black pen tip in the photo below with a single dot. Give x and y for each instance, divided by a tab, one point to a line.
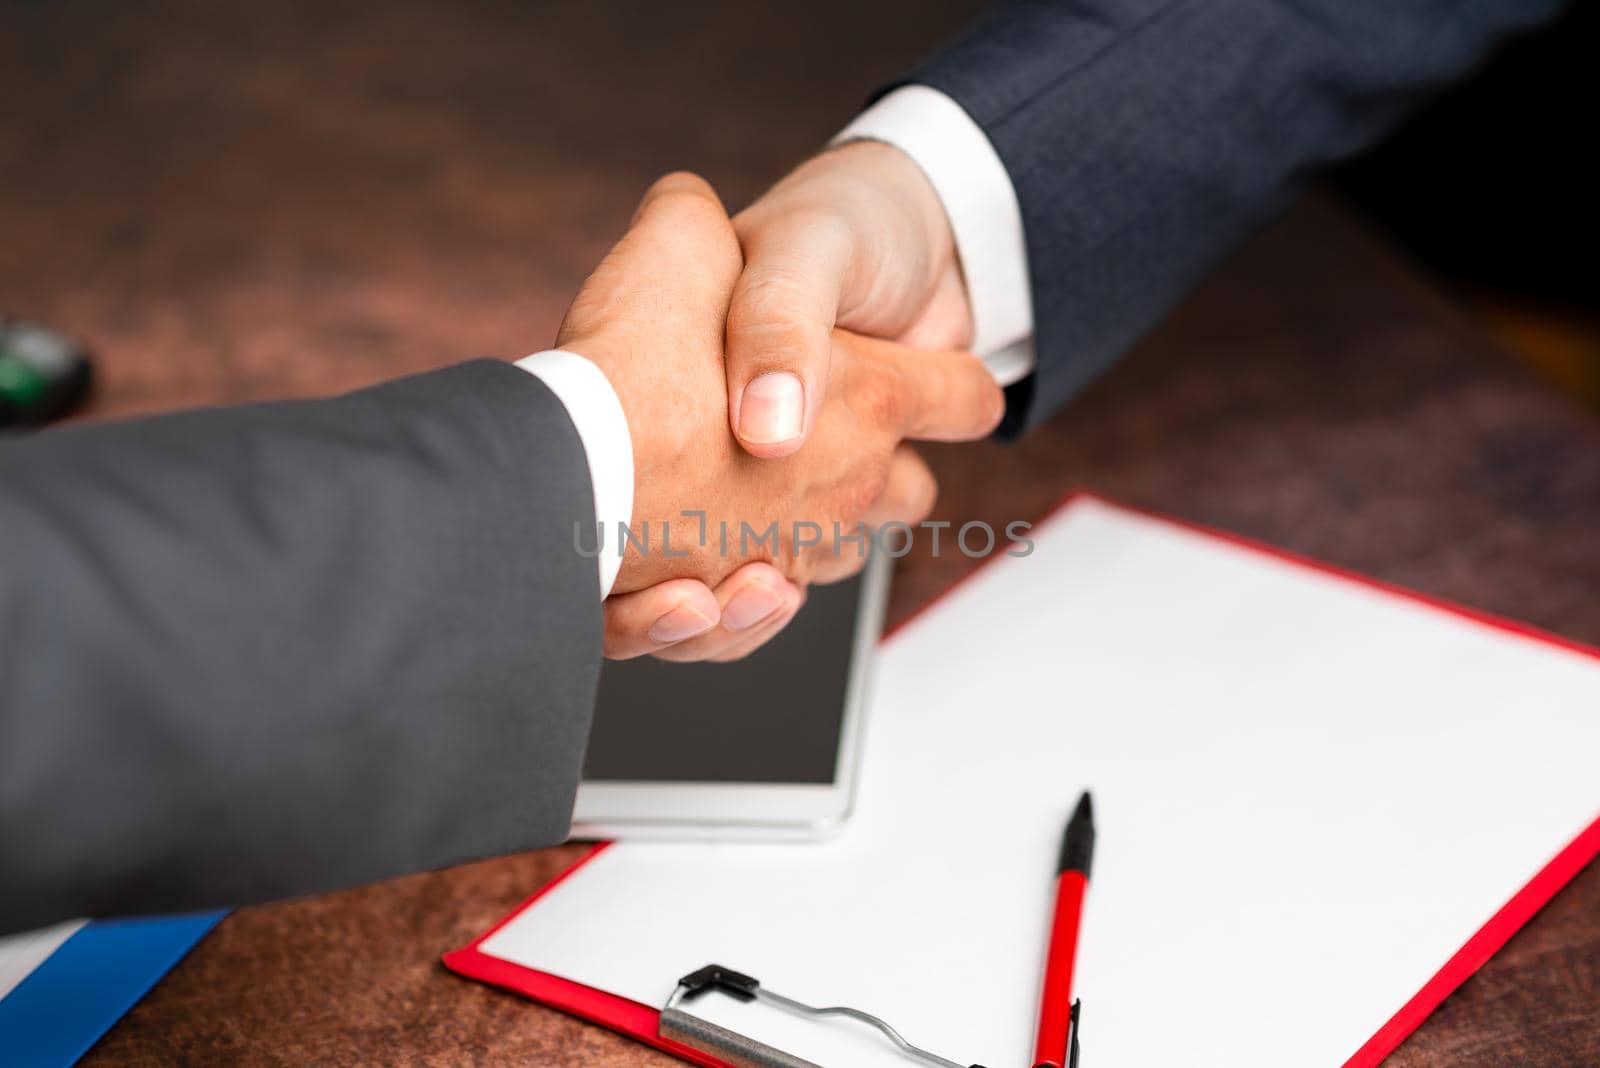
1077	844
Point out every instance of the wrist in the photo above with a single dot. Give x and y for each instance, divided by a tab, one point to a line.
981	209
667	465
607	356
594	407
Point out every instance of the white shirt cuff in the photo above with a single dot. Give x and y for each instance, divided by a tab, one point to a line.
981	204
592	404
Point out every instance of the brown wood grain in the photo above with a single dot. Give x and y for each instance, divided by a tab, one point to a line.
240	202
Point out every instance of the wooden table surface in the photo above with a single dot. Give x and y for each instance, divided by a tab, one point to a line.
288	200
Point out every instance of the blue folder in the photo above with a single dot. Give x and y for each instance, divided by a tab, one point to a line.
63	1007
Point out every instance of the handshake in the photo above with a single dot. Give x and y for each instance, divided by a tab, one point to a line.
770	368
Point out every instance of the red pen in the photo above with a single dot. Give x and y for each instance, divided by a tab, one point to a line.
1057	1045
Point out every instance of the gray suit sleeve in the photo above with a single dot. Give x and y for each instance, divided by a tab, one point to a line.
1146	138
259	651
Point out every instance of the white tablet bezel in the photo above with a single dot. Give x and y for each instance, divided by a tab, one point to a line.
721	810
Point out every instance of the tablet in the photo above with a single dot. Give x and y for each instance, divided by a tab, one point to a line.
762	747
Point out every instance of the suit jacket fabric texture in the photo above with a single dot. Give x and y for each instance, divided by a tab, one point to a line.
1147	138
254	652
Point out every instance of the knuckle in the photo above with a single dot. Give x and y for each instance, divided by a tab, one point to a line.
771	338
685	183
689	201
689	215
864	491
771	298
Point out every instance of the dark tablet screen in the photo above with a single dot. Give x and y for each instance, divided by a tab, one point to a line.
773	717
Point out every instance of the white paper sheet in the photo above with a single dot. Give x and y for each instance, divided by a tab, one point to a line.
1309	795
21	953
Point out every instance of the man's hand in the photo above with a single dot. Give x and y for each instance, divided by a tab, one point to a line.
856	238
652	317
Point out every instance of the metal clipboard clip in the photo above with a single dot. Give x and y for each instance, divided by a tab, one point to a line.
680	1025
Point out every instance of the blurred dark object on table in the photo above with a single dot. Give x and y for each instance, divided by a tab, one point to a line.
43	374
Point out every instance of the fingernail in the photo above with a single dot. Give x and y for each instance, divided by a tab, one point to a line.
750	606
684	621
773	408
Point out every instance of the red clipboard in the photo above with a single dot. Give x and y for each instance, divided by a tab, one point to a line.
641	1022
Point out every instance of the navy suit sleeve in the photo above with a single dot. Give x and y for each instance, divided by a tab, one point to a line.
1146	139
